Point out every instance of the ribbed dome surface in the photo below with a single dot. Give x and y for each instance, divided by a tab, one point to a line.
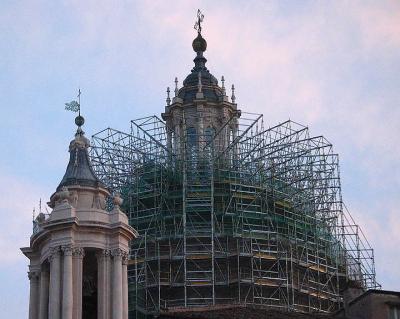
79	170
212	92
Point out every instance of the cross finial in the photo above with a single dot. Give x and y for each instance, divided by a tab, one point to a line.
168	98
75	106
200	18
176	86
79	101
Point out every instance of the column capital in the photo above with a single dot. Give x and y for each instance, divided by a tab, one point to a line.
125	257
54	252
103	253
118	253
33	275
78	252
67	250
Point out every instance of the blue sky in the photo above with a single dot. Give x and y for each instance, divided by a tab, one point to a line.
331	65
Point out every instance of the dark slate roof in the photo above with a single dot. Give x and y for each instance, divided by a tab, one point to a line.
79	170
212	92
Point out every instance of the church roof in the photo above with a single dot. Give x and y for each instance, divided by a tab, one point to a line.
79	170
212	92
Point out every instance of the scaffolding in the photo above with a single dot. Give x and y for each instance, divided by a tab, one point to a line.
255	221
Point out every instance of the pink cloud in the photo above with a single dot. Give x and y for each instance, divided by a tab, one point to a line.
380	25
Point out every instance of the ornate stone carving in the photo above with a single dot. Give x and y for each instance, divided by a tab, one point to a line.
54	252
104	253
78	252
64	194
40	218
74	198
67	250
99	201
117	200
118	253
33	275
125	257
62	197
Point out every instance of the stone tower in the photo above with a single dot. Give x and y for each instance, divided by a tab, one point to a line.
78	253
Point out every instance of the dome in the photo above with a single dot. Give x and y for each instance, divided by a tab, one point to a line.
212	92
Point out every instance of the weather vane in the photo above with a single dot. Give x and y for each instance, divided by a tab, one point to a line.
200	18
75	106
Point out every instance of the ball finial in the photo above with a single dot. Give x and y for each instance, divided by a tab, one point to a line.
199	44
79	120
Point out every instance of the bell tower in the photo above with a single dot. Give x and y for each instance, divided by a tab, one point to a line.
78	253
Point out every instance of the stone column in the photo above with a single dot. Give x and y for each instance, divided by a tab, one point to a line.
55	282
44	294
117	284
103	284
33	294
125	285
108	280
67	295
77	262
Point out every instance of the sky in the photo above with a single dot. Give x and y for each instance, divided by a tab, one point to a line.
333	66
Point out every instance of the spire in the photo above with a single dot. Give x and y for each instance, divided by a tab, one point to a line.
223	85
176	87
168	100
199	43
233	97
200	83
79	170
199	46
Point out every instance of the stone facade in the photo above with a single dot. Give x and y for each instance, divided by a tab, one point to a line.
78	254
373	304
